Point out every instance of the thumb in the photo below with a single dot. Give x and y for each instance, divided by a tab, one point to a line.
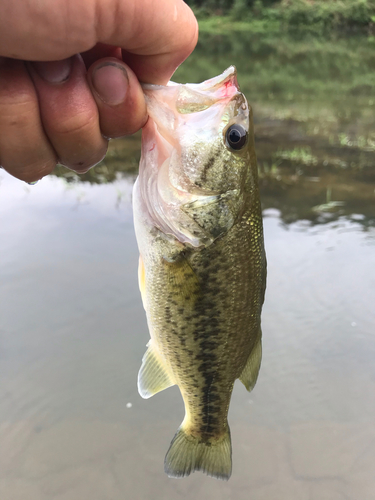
119	97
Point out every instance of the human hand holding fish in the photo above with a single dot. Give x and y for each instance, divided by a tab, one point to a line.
70	72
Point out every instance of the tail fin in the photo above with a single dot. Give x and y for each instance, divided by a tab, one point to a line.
187	454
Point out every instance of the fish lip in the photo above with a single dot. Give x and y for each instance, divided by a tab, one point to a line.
206	85
153	86
213	84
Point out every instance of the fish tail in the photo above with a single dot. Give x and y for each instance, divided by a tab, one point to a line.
188	453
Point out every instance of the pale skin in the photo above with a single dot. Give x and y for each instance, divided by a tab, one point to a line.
70	73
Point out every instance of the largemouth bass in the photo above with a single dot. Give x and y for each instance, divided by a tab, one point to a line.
202	267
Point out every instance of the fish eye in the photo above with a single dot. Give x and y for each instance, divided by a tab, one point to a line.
236	137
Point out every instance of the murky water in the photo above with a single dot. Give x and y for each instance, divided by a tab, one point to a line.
73	330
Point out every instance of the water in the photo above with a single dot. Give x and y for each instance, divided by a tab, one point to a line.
73	330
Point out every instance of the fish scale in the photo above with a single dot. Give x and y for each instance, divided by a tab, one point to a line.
202	266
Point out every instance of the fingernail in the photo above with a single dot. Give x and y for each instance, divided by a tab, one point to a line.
32	183
54	71
111	83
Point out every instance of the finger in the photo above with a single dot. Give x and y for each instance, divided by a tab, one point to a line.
157	37
162	33
25	151
69	113
119	97
100	51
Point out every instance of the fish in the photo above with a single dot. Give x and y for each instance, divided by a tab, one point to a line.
202	266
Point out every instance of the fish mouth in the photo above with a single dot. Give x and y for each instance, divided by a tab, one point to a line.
222	86
227	79
168	105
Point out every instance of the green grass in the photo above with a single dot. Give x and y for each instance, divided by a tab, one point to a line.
286	74
320	17
299	155
226	24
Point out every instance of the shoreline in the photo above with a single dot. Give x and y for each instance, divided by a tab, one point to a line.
318	19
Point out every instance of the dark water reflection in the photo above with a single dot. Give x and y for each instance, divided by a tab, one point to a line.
73	331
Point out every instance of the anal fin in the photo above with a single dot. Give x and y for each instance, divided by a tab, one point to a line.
152	377
250	372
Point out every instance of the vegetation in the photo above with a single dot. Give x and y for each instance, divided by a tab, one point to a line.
313	98
318	16
326	84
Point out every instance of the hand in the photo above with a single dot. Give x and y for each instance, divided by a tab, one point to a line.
85	86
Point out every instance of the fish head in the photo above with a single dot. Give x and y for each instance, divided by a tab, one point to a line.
204	130
197	147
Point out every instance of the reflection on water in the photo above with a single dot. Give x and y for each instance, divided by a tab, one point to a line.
73	330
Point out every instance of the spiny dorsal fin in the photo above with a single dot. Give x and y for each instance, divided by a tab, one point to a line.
249	374
153	376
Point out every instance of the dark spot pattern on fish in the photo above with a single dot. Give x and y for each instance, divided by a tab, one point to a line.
195	330
206	167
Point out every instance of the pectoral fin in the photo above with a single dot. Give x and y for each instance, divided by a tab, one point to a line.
249	374
152	377
215	214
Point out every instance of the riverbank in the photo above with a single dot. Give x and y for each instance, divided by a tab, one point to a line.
292	16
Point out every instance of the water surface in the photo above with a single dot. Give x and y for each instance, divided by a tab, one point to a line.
73	330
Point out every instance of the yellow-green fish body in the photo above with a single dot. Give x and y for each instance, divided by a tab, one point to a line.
202	263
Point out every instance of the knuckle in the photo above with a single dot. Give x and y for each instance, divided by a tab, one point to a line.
127	120
16	87
14	99
18	113
79	124
121	131
16	121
